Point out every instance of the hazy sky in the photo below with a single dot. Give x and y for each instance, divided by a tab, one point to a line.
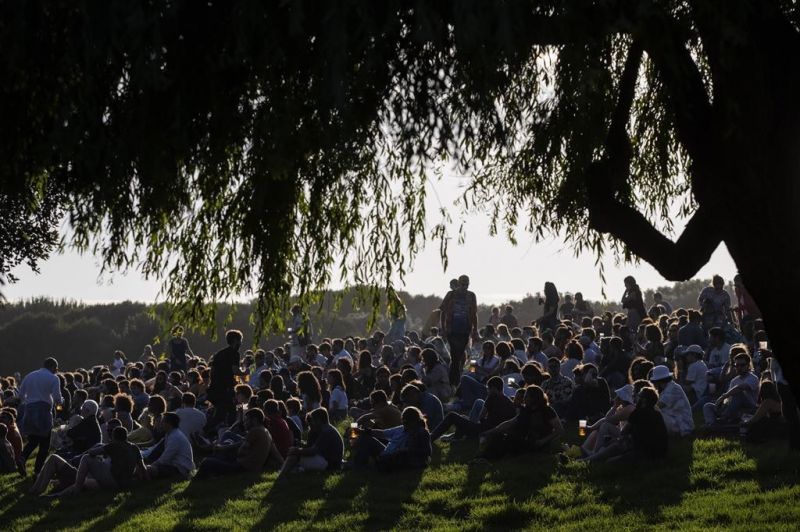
498	270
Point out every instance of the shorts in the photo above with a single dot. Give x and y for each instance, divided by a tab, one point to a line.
313	463
100	470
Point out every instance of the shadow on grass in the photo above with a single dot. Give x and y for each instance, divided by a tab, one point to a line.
387	495
286	497
776	465
646	487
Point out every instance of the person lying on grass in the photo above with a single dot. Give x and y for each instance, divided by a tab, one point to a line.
124	463
534	427
324	450
251	454
408	447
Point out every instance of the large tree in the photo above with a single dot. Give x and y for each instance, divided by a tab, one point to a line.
230	146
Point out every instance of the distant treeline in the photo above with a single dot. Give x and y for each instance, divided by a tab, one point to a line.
82	335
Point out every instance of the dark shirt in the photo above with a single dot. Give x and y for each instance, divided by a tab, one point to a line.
281	434
418	447
431	406
124	456
690	334
178	347
499	408
222	368
648	432
85	434
532	425
589	402
328	443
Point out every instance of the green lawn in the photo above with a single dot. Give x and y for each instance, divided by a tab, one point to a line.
709	484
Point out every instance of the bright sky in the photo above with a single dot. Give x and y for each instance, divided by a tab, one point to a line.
498	271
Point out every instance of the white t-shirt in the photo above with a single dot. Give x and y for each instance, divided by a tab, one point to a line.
338	398
696	375
676	410
718	356
750	383
192	420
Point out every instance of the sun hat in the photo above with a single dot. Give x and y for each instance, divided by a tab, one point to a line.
660	373
625	393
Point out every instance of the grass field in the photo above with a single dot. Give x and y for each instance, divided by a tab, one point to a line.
706	483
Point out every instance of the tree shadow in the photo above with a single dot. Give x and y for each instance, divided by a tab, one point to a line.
776	465
287	496
386	496
646	487
131	503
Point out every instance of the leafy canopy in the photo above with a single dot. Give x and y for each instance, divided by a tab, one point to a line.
231	147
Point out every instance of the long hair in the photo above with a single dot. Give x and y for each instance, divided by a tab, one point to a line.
308	384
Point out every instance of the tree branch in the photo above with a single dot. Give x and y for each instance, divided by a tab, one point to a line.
676	261
687	93
610	212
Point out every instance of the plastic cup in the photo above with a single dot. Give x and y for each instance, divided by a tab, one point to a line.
762	345
582	428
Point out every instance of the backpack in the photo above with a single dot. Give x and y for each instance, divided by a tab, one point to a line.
459	313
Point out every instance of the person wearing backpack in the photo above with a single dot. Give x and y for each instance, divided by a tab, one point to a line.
459	321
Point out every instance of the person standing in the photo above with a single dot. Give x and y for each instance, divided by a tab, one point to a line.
224	369
39	392
299	332
549	319
633	302
715	303
459	322
177	348
397	316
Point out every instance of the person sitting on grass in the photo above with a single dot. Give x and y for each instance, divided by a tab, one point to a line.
590	398
644	437
485	415
338	396
383	414
125	462
8	460
192	420
408	447
557	387
8	417
609	427
324	450
252	454
278	426
151	429
768	421
740	398
534	427
414	394
696	383
436	376
672	403
176	458
85	434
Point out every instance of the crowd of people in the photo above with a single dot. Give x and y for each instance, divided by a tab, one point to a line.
631	381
